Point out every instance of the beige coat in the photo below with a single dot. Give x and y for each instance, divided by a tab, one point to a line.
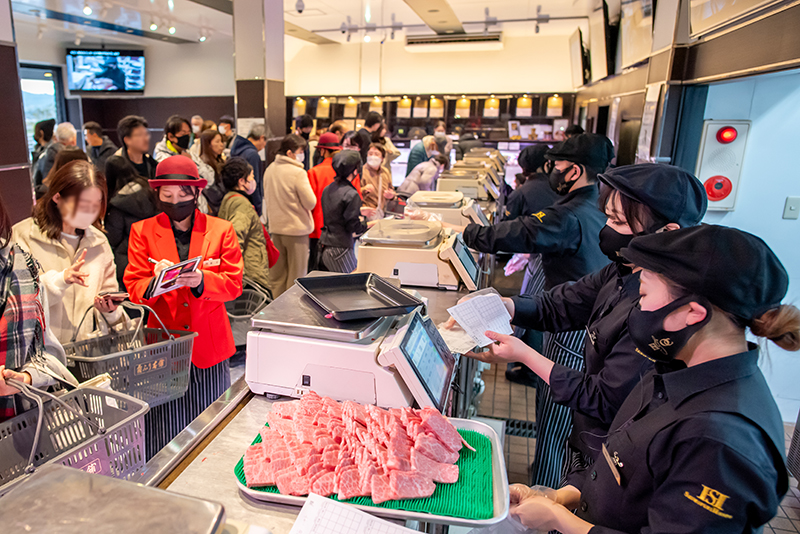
68	302
288	198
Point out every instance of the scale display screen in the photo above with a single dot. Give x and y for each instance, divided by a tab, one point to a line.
433	364
480	215
466	257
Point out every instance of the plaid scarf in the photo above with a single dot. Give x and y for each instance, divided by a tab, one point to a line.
22	320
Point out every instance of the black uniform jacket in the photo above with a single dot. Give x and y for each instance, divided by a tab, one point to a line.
599	302
697	450
341	211
566	234
529	198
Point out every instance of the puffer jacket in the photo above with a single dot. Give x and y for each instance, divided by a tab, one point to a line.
241	213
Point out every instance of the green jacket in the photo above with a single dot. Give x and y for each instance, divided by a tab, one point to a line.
237	209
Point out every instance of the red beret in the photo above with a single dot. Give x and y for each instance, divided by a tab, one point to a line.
177	170
329	140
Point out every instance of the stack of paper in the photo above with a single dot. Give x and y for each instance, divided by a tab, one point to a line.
479	314
324	516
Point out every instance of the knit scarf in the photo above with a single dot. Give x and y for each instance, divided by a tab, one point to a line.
22	320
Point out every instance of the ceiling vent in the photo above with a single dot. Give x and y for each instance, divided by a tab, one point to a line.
463	42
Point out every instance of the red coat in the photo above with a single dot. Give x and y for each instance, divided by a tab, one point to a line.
213	239
320	177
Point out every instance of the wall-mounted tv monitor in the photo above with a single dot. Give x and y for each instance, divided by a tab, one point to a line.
602	42
105	71
579	61
636	31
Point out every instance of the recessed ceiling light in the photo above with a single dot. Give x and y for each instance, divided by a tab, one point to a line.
433	11
87	9
153	26
172	30
291	30
165	38
202	39
129	31
367	38
442	22
449	31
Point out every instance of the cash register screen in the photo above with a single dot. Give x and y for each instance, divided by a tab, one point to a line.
432	364
481	216
466	258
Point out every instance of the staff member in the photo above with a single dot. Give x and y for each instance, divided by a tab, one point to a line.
638	200
341	210
698	445
567	236
181	232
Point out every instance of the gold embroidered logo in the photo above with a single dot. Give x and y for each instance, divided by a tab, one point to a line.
539	215
711	500
659	344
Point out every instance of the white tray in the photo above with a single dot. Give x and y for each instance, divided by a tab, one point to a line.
499	481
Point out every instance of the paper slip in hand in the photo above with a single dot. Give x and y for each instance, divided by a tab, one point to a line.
479	314
456	339
321	515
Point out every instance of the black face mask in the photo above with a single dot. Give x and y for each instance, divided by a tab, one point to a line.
183	141
646	329
557	182
305	135
611	242
180	211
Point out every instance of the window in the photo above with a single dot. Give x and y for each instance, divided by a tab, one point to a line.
42	97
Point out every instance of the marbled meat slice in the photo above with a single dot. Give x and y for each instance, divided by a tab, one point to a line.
438	471
285	410
323	485
442	428
347	483
430	446
381	490
410	485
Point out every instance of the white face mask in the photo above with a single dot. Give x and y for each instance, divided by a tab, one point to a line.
300	157
374	161
435	153
82	219
222	129
250	187
195	129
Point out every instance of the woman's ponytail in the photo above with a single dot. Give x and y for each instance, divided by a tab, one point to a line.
780	325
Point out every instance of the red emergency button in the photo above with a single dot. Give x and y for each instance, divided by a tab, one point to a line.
718	187
726	135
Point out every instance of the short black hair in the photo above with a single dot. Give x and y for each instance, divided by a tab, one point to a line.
573	130
174	124
234	170
227	119
93	127
46	127
373	118
355	138
291	142
128	124
304	121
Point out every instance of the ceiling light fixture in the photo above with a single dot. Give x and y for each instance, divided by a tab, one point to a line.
153	25
172	30
367	38
203	35
87	9
299	7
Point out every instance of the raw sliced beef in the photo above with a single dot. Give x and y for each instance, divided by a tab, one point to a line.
435	422
434	449
381	491
439	472
410	485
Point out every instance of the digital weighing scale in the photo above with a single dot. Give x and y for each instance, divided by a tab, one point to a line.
489	152
452	206
480	167
475	185
391	362
419	253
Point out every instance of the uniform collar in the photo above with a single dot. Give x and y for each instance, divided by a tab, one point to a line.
689	381
589	192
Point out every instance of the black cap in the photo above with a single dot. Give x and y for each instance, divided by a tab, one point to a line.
734	270
673	194
532	157
594	151
345	162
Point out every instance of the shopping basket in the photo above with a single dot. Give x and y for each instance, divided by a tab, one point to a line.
96	430
242	309
147	363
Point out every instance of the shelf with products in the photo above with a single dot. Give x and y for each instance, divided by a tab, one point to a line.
492	117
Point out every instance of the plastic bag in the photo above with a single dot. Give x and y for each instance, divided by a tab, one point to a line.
416	214
509	525
517	262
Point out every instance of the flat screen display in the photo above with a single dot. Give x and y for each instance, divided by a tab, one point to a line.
105	71
577	57
481	216
597	43
708	14
466	257
431	363
636	30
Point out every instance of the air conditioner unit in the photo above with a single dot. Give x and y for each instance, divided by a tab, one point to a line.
464	42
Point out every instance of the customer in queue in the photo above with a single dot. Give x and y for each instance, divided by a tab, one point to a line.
441	129
248	148
341	208
29	352
43	136
135	136
566	234
638	200
303	126
64	136
382	137
289	200
698	445
227	128
99	146
66	237
239	181
133	201
425	175
64	157
176	141
211	153
372	124
178	233
430	146
376	180
321	176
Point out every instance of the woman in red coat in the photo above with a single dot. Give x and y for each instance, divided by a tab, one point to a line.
178	233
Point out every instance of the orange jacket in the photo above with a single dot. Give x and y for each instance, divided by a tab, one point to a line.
213	239
320	177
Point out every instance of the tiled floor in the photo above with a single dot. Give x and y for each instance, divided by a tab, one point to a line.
505	400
